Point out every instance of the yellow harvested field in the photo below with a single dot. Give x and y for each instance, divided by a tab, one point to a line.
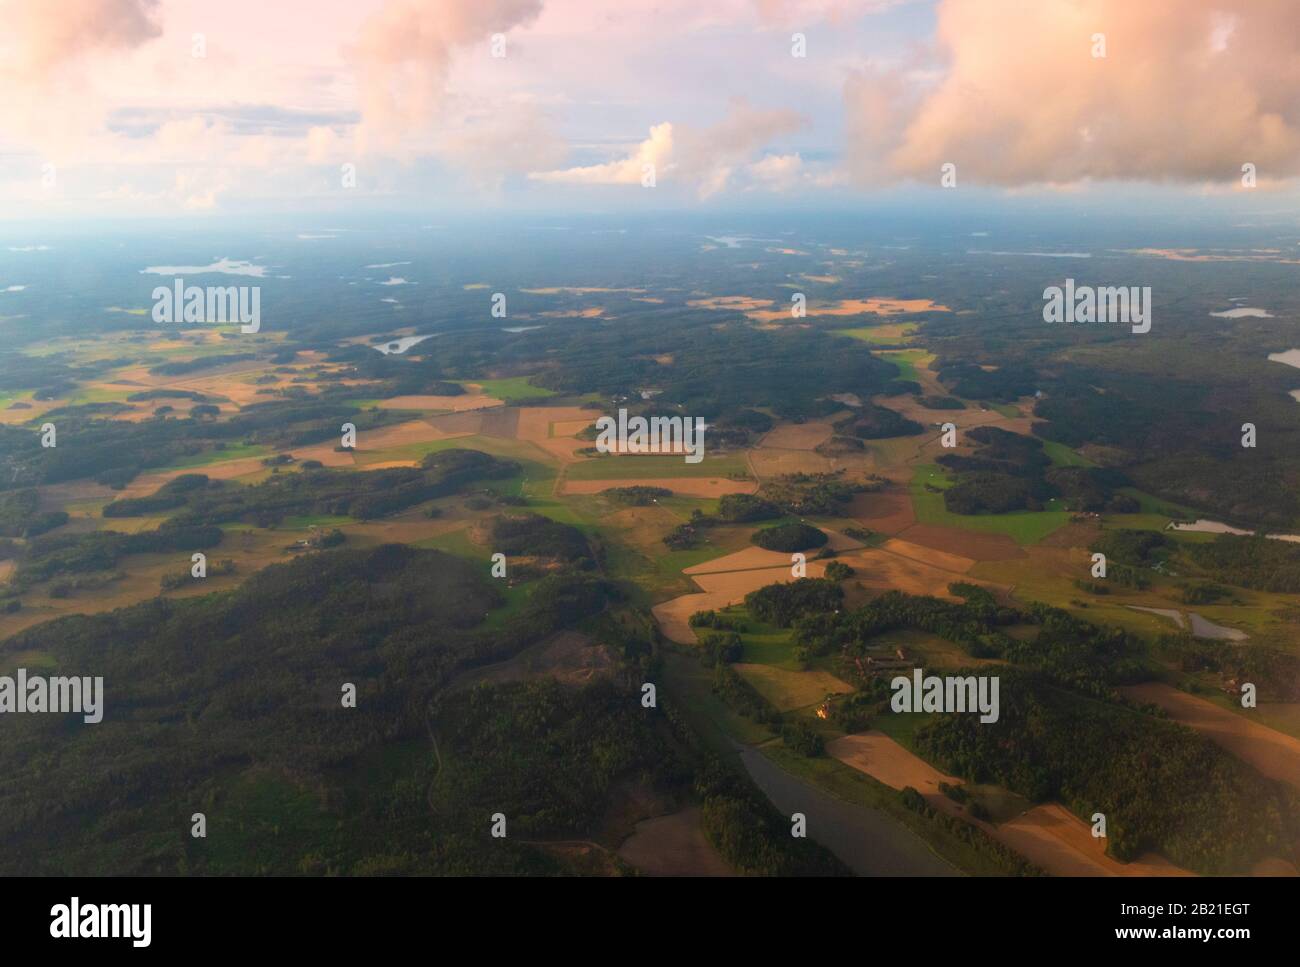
399	435
250	550
673	845
231	382
879	756
887	512
741	303
13	417
591	312
797	436
682	486
840	542
537	423
720	591
744	560
1049	835
570	427
643	527
882	570
1052	837
147	483
554	429
326	454
789	690
848	307
468	401
771	462
928	555
1273	753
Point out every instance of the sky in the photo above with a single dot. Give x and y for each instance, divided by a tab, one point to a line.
121	108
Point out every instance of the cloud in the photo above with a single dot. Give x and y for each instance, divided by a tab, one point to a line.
655	151
790	172
704	158
45	36
789	13
1187	91
404	53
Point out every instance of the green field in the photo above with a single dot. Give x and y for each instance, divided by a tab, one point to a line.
907	361
1063	456
872	334
1024	526
237	452
658	467
515	389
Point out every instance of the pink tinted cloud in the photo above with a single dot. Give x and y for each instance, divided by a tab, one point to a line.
704	158
1187	91
43	36
404	53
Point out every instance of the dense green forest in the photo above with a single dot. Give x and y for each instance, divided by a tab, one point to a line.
1160	785
231	704
1064	734
113	452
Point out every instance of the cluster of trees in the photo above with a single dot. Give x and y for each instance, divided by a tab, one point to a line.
56	554
1071	652
742	824
814	494
1137	548
789	537
821	494
1276	674
942	403
1008	859
354	493
781	604
720	648
741	697
838	571
1004	384
113	452
182	367
637	496
1160	785
874	422
716	620
20	514
230	703
732	509
532	535
1009	471
1256	562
